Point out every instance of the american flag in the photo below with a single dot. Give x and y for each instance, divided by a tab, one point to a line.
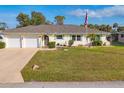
86	21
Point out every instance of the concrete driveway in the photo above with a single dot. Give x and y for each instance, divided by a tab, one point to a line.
12	62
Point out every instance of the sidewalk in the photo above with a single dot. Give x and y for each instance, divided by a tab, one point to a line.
102	84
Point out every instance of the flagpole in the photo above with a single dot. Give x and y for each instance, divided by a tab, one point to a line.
86	21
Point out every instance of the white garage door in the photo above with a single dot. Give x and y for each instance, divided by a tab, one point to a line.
13	42
30	42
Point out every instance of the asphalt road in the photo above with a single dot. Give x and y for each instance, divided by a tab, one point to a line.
103	84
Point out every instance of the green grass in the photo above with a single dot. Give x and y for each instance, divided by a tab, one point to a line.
77	64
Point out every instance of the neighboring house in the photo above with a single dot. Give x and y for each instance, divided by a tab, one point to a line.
121	36
1	37
39	36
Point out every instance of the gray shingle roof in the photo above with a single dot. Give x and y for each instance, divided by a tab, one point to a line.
53	29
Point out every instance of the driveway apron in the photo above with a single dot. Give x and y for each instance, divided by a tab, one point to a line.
12	62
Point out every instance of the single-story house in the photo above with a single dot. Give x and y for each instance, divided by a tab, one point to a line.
1	36
39	36
121	36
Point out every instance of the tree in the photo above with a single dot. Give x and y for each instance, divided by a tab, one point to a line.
95	39
96	26
115	26
37	18
60	20
102	27
81	25
108	28
92	37
91	26
120	28
3	26
70	43
23	20
48	22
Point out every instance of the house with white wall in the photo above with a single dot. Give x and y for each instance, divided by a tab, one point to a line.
121	36
1	36
39	36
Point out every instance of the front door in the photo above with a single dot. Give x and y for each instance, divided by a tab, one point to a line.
46	40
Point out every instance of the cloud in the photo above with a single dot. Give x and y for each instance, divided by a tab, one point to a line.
99	13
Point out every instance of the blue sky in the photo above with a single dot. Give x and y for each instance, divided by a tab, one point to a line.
97	14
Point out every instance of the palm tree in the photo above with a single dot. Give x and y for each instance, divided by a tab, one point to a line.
91	26
3	26
60	20
96	26
108	28
92	37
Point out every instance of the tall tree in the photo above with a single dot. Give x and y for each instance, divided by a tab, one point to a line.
91	26
37	18
3	26
102	27
23	20
60	20
108	28
91	36
115	26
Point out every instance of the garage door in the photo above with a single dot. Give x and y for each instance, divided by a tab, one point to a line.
30	42
13	42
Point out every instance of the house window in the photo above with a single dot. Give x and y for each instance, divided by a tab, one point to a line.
122	35
59	37
73	37
1	37
78	38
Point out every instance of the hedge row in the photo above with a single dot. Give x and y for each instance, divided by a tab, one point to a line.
51	44
2	45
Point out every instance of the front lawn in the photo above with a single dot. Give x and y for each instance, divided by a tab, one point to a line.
77	64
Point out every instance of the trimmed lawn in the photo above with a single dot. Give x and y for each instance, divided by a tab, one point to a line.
77	64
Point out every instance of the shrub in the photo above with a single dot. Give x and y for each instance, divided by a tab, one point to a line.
2	45
51	44
70	43
97	43
58	44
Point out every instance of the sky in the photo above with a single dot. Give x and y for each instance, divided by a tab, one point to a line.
74	14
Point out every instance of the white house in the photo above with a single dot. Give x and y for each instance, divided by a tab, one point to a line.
1	36
39	36
121	36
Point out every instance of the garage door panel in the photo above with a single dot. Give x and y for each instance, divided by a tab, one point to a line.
30	42
13	42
